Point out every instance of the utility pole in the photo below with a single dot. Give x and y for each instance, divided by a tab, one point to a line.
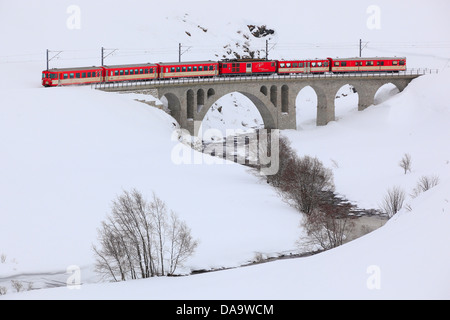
267	50
180	53
360	48
50	59
103	54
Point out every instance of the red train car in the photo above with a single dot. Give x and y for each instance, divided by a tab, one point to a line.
368	64
196	69
247	67
131	72
303	66
71	76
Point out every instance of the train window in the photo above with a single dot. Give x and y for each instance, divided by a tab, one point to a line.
325	64
402	63
89	74
313	64
319	64
301	65
131	72
288	65
121	72
189	69
273	64
126	72
136	71
77	75
83	75
116	73
336	64
195	69
172	69
394	63
343	63
211	68
183	69
200	68
378	63
146	71
72	75
224	66
295	65
370	63
66	76
282	65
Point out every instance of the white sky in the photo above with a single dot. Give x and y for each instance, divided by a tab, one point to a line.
40	24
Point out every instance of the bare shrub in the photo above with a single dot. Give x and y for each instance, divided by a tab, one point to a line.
393	201
425	183
3	258
406	162
17	285
327	227
141	239
3	291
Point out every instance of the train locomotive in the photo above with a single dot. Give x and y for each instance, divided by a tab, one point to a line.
211	69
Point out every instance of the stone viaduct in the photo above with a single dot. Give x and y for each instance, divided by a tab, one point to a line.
274	96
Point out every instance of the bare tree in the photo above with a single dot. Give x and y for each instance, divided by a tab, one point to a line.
135	241
304	182
393	201
406	162
425	183
286	155
3	291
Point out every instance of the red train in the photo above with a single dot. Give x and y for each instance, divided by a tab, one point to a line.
203	69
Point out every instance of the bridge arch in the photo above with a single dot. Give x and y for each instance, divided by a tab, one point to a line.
172	102
385	92
346	99
259	100
306	107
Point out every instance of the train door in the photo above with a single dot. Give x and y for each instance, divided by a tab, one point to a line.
307	67
248	69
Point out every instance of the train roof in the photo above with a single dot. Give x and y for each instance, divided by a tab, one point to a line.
73	69
368	58
136	65
185	63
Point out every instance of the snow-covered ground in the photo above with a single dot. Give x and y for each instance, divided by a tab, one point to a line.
66	153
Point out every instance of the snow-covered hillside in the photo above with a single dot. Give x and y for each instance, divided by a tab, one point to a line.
407	258
66	153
